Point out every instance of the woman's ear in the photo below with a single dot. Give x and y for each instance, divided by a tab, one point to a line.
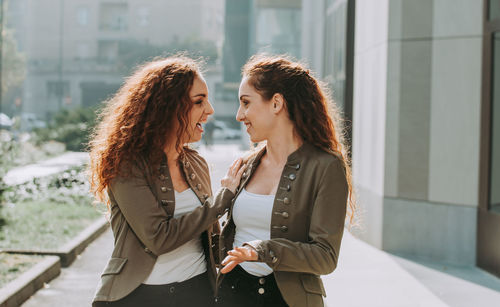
278	103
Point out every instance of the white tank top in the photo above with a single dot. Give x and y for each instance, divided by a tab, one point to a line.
186	261
252	216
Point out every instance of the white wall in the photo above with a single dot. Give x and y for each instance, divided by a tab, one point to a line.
369	113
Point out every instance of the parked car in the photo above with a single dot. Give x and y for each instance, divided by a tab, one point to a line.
223	132
5	121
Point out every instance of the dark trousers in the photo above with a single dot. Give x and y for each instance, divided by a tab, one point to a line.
194	292
241	289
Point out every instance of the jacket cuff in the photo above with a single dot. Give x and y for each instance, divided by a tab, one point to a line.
264	253
222	201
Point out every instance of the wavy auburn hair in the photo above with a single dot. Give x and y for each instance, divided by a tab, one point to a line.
140	119
309	105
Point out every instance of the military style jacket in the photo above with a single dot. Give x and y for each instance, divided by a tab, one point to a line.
142	208
307	223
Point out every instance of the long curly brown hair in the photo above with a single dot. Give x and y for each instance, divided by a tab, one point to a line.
309	104
140	119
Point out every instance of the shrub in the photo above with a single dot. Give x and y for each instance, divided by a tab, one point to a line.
8	150
69	126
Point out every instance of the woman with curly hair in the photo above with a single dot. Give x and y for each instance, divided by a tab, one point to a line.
157	189
287	221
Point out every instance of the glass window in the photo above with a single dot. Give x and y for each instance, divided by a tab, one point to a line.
82	51
494	9
495	126
278	31
113	16
107	51
82	16
335	49
143	15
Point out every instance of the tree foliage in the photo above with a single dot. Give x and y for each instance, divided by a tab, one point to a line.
13	62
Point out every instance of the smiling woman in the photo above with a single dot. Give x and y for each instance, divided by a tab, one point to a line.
200	111
157	189
287	220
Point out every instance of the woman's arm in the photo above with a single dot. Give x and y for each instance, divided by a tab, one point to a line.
149	221
319	255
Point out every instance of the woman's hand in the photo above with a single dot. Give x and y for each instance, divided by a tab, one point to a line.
237	256
233	175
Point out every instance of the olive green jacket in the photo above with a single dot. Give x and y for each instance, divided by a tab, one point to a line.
142	208
307	224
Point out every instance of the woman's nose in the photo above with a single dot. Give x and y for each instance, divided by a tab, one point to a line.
209	108
239	115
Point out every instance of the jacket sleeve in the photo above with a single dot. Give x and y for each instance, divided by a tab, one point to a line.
150	222
320	254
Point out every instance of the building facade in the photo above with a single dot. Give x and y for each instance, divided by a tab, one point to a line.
254	26
425	122
78	52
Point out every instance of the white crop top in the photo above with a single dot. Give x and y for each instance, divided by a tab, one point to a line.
186	261
252	216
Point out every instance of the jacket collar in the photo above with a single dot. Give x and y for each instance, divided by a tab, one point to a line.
294	157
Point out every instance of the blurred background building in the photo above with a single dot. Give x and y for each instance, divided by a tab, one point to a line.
253	26
78	52
418	83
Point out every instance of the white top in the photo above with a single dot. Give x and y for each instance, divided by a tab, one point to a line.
252	216
186	261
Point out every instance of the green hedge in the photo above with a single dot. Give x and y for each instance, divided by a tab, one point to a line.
71	127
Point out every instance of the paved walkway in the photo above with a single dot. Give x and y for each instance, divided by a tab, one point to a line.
50	166
365	277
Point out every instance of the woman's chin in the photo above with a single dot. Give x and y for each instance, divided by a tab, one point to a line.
255	139
195	138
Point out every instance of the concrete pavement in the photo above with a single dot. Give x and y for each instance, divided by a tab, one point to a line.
50	166
365	276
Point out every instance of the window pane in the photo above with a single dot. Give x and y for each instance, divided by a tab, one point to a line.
278	31
494	9
495	127
82	16
335	49
113	16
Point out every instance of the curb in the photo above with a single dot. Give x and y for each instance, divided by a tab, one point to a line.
73	248
21	288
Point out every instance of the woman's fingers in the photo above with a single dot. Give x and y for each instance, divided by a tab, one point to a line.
240	173
233	175
235	252
247	252
231	167
230	262
237	256
243	253
229	267
235	167
227	260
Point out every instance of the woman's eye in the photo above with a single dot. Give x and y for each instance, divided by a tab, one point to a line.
244	102
198	102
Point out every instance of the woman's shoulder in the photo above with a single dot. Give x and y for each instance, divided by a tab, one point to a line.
254	154
326	158
131	170
194	157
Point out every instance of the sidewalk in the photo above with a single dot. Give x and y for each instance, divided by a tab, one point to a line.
47	167
365	276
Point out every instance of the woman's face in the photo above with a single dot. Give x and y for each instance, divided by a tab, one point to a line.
255	112
200	111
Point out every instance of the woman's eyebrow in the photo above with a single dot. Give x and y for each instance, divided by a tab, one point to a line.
241	97
199	95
